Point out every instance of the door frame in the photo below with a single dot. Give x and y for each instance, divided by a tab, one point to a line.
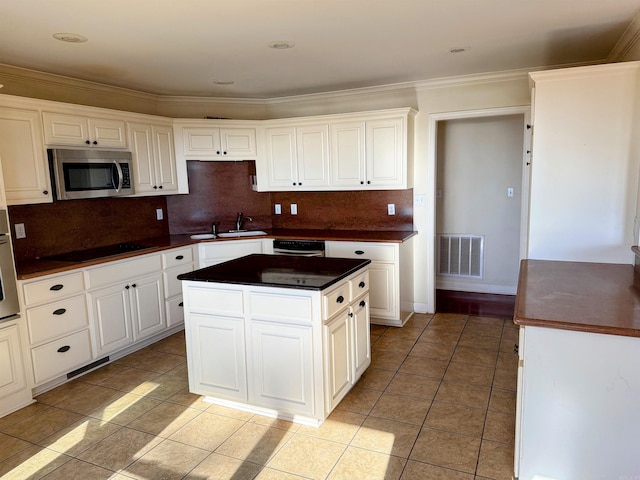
431	172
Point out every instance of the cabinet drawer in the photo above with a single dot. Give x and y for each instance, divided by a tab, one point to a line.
56	319
175	258
230	249
175	311
214	300
373	251
173	286
61	356
336	300
359	284
123	271
281	307
52	288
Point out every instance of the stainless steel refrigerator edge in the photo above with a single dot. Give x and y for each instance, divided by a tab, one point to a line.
9	306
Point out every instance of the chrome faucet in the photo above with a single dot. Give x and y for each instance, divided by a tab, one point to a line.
240	220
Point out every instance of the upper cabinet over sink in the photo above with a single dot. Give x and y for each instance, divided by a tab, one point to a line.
215	139
355	151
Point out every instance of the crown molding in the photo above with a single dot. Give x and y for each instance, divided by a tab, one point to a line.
627	42
591	70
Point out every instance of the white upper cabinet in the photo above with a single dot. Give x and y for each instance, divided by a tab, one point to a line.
22	154
81	130
297	158
154	160
204	140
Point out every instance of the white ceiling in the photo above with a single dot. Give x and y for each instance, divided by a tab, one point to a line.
170	47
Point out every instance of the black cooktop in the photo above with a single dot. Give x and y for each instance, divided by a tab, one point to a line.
99	252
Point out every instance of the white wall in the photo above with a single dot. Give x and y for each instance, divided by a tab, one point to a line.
584	176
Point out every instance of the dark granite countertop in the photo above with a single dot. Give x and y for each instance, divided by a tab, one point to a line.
581	296
39	267
303	273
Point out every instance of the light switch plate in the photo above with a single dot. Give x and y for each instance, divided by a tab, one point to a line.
159	214
278	209
20	231
391	209
294	209
420	199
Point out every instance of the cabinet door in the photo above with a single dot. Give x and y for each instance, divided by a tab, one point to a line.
214	253
107	133
143	158
111	318
201	143
338	355
348	154
238	143
312	147
382	290
361	337
281	367
24	166
12	375
216	356
175	311
148	305
165	160
384	151
64	129
281	158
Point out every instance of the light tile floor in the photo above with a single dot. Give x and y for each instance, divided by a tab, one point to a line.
438	402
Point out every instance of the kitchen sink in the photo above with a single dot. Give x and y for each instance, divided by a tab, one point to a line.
202	236
242	233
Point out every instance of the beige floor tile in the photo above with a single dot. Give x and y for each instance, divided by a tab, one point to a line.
58	394
414	385
493	321
437	351
254	443
275	422
503	401
508	345
161	387
160	362
463	394
272	474
20	415
172	345
410	331
448	450
375	378
386	436
33	463
427	367
191	400
165	419
386	360
229	412
90	399
394	344
511	332
361	463
125	409
456	419
507	360
101	374
506	378
441	334
129	380
44	423
10	446
167	461
473	356
496	460
466	373
423	471
208	431
479	342
341	426
219	467
179	371
440	318
307	456
79	436
500	427
483	330
359	400
120	449
78	469
401	408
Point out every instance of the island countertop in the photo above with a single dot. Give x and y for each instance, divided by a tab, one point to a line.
305	273
580	296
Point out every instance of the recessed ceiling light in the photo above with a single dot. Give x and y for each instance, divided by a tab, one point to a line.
459	49
70	37
281	44
223	82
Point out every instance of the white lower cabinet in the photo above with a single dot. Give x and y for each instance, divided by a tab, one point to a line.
338	346
360	337
14	388
111	312
212	253
59	356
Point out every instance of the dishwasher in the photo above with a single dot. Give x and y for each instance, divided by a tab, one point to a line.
299	248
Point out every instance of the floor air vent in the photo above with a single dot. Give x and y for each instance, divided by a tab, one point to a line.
460	255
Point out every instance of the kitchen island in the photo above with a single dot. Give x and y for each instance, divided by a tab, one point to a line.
281	336
579	371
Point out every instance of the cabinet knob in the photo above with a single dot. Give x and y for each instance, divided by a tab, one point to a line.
127	287
95	142
294	183
87	142
179	257
154	187
340	299
65	348
217	152
181	304
56	287
361	182
368	182
362	303
359	252
224	153
45	192
361	284
134	285
299	183
160	187
351	314
60	311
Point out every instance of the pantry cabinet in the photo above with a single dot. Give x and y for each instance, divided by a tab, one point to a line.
81	130
22	152
153	154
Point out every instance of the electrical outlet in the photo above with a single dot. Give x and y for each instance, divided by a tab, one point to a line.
510	192
420	199
20	231
391	209
159	214
278	209
294	209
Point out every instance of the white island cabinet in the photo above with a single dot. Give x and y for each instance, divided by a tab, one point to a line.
279	336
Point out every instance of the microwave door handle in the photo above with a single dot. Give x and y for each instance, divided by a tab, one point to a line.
120	176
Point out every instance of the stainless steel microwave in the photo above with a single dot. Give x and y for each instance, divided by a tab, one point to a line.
90	173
